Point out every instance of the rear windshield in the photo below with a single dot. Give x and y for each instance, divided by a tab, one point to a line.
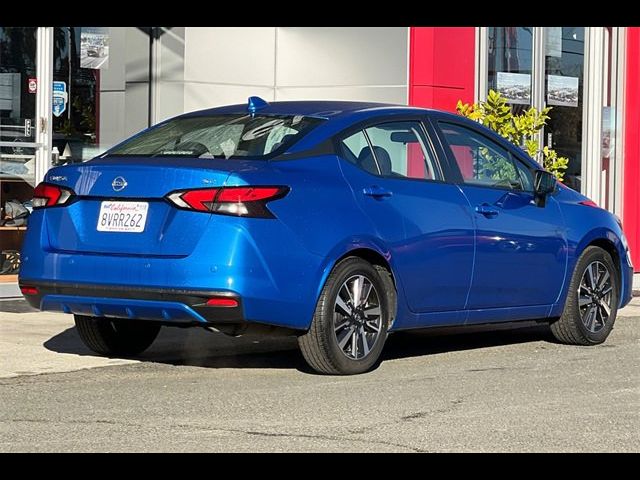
222	136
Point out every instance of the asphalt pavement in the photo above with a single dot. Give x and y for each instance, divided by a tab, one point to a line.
505	390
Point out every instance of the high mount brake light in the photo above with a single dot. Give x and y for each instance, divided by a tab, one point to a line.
246	201
49	195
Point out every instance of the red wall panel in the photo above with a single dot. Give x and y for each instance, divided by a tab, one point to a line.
441	66
631	179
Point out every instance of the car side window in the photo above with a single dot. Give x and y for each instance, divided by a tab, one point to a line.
484	162
526	175
400	150
351	148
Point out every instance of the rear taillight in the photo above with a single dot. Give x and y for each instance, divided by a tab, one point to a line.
49	195
237	201
27	290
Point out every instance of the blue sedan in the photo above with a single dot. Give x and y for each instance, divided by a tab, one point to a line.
337	222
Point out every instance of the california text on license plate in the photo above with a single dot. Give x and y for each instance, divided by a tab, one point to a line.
122	216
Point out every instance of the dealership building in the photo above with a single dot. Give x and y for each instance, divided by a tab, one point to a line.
69	93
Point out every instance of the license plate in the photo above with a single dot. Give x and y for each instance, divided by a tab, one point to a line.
129	217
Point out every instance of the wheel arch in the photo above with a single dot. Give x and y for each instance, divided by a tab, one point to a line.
372	253
609	242
609	247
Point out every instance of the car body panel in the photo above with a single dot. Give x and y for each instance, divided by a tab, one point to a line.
520	252
435	244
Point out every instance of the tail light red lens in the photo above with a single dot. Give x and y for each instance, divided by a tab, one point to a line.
222	302
200	200
250	201
247	194
49	195
26	290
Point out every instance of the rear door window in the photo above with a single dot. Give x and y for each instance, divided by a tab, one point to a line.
394	149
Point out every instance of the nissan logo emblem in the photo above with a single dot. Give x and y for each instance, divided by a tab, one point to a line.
119	183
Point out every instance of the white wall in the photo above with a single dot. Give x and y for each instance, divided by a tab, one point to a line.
225	65
204	67
338	63
124	86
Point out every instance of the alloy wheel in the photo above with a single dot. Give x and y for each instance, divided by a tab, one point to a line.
357	317
595	295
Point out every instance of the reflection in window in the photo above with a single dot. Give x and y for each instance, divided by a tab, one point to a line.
510	63
483	162
564	65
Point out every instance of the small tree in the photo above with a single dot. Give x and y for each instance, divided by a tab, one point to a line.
522	130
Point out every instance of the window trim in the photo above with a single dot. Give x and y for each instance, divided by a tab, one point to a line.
421	120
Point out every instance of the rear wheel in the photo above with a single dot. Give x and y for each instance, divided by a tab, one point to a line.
114	336
349	327
592	302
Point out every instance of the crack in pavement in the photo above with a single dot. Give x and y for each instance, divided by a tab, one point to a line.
202	428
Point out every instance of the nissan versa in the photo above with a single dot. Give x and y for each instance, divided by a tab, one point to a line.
338	222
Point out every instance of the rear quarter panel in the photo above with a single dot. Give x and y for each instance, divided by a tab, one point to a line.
320	216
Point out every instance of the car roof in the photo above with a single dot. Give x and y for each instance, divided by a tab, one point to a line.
338	114
325	109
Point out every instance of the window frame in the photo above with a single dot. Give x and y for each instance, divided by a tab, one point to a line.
515	157
443	167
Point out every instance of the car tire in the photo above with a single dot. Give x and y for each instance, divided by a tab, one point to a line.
113	336
329	346
584	320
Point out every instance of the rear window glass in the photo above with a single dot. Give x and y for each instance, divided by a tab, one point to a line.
222	136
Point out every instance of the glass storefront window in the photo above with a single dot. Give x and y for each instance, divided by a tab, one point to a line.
17	136
75	136
510	64
564	79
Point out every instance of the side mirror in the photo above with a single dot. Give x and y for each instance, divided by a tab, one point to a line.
544	184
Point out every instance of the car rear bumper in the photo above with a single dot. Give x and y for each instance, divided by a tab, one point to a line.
158	304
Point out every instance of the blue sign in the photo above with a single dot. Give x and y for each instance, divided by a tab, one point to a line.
60	98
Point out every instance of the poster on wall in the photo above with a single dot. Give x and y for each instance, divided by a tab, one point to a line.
562	91
515	87
94	47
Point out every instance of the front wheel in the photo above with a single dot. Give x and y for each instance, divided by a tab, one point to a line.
592	302
351	320
116	336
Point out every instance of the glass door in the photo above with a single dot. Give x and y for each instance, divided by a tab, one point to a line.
574	70
510	64
18	89
563	78
18	102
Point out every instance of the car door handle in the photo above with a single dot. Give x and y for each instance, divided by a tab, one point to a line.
376	192
487	210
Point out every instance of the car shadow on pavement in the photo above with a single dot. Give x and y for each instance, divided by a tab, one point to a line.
200	348
441	340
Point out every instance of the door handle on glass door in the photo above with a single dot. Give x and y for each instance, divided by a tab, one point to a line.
487	210
376	192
